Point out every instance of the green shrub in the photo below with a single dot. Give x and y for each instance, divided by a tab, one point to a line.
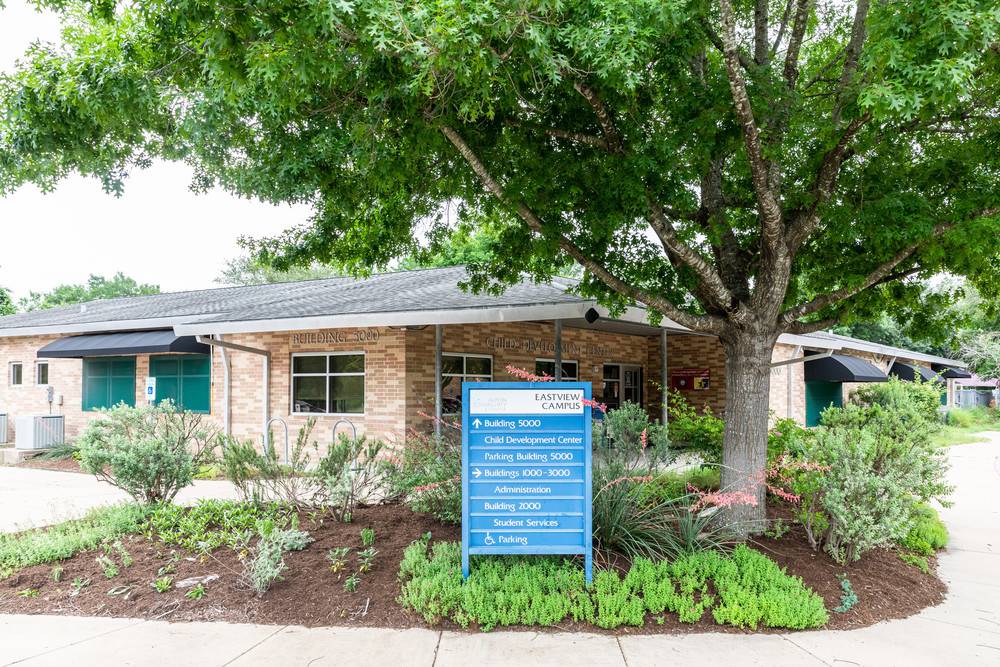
911	401
351	474
928	534
502	591
878	464
692	432
629	426
48	545
261	477
210	524
673	484
149	452
786	437
426	475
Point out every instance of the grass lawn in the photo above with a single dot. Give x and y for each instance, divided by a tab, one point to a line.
958	435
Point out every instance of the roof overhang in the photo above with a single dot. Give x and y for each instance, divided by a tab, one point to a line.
486	315
842	368
911	373
116	344
99	326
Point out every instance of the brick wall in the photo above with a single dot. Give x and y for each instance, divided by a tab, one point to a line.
783	378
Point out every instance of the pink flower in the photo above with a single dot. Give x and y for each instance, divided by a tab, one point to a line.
720	498
594	404
643	439
622	480
526	376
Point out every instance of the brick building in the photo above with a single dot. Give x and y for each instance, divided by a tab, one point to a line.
386	352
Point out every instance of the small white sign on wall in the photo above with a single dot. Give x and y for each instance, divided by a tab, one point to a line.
151	390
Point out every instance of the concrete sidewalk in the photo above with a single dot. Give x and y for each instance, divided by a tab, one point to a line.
964	630
31	497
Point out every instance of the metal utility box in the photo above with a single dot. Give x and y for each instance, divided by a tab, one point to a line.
39	431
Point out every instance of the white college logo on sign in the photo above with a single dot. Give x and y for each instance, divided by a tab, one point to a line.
533	402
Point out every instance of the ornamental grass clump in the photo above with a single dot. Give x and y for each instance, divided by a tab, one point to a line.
744	589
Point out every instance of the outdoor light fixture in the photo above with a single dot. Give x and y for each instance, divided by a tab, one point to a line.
591	316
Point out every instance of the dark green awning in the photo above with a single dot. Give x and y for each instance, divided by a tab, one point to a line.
842	368
951	372
910	373
121	344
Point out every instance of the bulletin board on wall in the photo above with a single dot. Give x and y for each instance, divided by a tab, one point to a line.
690	379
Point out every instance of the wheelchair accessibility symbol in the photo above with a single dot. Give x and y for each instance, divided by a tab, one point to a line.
488	540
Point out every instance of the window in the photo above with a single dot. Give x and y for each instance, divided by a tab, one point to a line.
548	367
332	384
41	372
184	379
622	382
108	381
459	368
16	373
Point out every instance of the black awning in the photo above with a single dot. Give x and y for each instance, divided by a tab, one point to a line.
126	343
910	373
950	372
842	368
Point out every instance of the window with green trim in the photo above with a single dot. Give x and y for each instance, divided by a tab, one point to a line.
184	379
108	381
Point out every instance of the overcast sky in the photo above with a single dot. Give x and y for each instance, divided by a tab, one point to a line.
157	232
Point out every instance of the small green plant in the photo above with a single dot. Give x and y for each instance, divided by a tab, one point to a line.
123	591
928	534
848	598
107	566
366	559
777	529
338	558
28	593
265	562
917	561
196	592
56	574
123	554
78	584
163	584
351	583
367	537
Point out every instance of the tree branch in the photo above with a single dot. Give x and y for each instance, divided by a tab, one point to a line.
760	44
772	230
784	25
607	124
853	54
713	37
879	275
701	323
709	277
812	327
791	70
824	184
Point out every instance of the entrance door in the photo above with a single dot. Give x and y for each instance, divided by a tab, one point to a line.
632	384
820	396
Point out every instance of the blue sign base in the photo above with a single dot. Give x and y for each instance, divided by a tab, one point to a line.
526	470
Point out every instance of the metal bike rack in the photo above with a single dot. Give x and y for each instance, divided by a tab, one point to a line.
354	429
267	435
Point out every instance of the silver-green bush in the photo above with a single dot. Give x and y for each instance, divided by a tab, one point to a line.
150	452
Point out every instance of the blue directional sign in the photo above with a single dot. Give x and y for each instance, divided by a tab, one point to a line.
526	476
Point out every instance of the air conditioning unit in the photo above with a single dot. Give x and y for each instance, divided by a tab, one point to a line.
39	431
3	428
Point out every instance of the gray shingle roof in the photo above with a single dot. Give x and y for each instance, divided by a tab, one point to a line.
426	289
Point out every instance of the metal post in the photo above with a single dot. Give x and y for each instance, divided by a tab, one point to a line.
227	422
438	335
664	376
558	350
267	400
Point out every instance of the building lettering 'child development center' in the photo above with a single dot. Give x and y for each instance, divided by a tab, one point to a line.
388	352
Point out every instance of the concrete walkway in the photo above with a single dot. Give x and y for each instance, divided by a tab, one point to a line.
964	630
31	497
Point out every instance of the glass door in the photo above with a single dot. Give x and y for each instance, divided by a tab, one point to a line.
632	384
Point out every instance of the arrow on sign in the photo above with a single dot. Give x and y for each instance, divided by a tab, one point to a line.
476	422
476	473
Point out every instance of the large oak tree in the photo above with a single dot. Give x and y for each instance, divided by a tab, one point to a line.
743	167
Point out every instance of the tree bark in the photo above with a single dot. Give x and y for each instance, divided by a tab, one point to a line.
744	447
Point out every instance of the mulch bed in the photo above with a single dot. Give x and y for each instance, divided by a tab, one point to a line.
312	595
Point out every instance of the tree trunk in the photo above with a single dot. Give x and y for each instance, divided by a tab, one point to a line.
744	447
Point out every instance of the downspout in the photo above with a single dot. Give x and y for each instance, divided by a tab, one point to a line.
267	375
227	425
664	376
438	335
790	408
